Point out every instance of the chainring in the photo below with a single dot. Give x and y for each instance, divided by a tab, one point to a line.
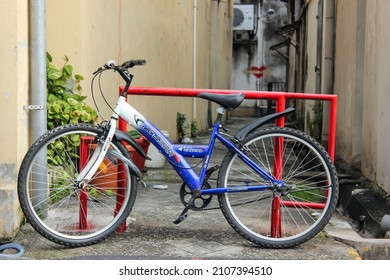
200	202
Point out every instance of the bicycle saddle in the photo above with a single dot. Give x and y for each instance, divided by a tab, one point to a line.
228	101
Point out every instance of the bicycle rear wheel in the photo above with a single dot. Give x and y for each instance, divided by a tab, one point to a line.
54	203
286	216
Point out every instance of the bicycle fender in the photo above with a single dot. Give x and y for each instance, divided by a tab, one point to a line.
127	161
244	131
122	136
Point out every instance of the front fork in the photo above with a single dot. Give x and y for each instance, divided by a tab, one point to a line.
98	155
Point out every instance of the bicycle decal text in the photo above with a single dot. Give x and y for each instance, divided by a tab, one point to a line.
141	124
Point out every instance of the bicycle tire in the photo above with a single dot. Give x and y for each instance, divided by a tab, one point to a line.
57	207
280	217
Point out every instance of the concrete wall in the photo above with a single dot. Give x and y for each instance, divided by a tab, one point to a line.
361	83
310	64
347	84
375	152
355	63
91	32
13	95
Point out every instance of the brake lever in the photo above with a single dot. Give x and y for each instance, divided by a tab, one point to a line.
109	65
98	70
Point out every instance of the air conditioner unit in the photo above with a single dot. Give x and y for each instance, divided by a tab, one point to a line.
243	17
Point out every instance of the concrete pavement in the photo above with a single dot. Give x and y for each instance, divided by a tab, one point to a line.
203	235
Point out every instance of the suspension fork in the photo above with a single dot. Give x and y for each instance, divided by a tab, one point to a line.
89	168
98	155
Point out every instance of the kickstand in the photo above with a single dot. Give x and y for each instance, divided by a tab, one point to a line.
184	214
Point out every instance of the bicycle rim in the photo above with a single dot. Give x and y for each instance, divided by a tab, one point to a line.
280	217
56	206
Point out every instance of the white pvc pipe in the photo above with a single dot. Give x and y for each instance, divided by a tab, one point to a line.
194	58
38	66
38	118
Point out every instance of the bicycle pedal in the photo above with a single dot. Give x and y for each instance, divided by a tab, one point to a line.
180	219
183	215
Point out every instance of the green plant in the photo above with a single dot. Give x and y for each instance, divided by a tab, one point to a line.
65	103
194	129
307	192
181	126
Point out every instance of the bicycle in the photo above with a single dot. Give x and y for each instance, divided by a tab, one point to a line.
277	187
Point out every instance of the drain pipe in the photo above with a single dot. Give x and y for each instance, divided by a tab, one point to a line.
194	58
38	122
328	67
38	116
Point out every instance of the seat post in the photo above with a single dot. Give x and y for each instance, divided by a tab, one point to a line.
220	111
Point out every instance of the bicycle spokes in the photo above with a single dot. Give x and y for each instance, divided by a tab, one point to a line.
287	213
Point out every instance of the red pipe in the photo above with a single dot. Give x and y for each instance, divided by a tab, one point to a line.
278	96
276	221
332	128
296	204
190	92
121	192
122	125
83	209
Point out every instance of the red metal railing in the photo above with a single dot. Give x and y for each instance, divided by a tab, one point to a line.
280	98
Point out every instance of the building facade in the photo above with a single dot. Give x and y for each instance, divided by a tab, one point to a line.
341	47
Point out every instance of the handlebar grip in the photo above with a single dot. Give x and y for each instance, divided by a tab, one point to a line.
139	62
133	62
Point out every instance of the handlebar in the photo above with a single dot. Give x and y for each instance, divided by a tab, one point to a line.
122	70
123	67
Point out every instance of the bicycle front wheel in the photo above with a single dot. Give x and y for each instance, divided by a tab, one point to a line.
282	215
56	205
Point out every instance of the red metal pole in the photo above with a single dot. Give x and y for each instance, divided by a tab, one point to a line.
276	222
276	229
83	210
279	142
122	125
332	128
121	187
83	214
310	205
121	177
191	92
280	107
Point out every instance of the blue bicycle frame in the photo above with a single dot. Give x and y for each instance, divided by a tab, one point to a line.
176	153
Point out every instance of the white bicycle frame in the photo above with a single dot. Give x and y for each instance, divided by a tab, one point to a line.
126	112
